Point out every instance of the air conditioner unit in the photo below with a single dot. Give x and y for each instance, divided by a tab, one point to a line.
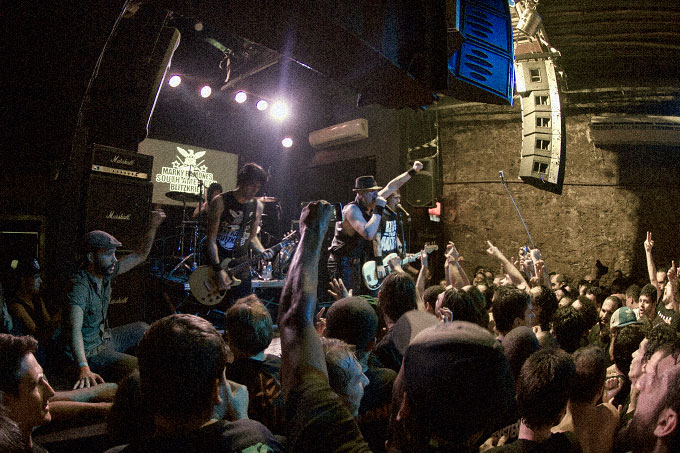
347	132
635	130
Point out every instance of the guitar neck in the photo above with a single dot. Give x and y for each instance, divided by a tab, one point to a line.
411	258
250	262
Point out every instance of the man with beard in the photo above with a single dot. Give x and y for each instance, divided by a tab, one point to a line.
654	427
92	346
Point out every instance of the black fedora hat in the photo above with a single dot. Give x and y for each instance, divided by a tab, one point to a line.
363	183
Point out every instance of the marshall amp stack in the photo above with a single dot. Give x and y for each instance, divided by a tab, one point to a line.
119	194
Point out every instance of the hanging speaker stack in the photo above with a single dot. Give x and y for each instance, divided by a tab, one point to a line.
543	135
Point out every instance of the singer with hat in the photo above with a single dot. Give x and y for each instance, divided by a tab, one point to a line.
359	226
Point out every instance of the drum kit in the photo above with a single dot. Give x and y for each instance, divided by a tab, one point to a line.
189	252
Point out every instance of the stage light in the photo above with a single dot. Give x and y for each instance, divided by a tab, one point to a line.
175	81
206	91
279	111
287	142
262	105
241	97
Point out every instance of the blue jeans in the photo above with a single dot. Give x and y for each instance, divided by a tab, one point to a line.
349	270
114	361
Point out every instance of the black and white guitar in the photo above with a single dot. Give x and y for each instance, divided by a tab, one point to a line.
369	271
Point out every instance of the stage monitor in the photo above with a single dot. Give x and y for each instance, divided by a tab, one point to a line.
179	168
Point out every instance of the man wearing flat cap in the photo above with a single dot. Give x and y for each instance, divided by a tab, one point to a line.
92	346
359	225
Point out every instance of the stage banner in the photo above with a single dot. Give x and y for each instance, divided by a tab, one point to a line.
187	169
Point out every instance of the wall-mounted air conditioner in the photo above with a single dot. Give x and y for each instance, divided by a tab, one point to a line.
347	132
635	130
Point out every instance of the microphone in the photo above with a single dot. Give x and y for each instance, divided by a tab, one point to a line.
401	209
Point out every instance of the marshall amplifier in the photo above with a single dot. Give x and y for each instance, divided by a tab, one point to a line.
107	160
119	206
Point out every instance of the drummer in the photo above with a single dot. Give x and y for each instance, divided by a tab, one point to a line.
202	208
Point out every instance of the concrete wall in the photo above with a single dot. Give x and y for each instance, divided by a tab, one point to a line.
610	197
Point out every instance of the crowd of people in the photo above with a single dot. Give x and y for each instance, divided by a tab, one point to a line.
516	360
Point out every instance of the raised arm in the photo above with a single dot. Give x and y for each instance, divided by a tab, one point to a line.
421	281
456	275
651	267
673	282
300	344
510	269
366	230
400	180
139	255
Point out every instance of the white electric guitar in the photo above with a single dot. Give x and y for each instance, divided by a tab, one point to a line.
369	271
203	282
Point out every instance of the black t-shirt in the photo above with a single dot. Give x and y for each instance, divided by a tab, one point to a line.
236	223
388	234
222	436
557	443
374	410
318	420
387	353
264	389
669	316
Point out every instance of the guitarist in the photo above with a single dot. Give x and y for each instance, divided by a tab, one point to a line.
233	218
360	223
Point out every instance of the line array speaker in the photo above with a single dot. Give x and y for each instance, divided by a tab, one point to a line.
543	138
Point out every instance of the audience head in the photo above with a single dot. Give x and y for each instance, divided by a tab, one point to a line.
569	328
655	424
430	296
632	296
456	355
589	310
518	345
511	308
354	321
397	295
647	301
591	370
544	305
345	374
462	306
248	327
543	387
558	281
609	306
182	359
27	270
627	341
129	419
24	390
596	294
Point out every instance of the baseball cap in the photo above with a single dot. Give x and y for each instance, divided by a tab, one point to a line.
623	317
98	239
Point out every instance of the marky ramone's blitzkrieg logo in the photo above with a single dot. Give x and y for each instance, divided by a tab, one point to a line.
186	172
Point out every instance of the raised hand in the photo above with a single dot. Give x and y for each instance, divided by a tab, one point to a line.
649	242
321	322
338	290
673	274
493	250
417	165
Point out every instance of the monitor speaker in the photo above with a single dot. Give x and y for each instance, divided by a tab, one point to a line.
423	188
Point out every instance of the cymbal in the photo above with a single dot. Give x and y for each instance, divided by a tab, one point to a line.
183	196
268	199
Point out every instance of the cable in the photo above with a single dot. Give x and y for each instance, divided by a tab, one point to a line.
531	241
